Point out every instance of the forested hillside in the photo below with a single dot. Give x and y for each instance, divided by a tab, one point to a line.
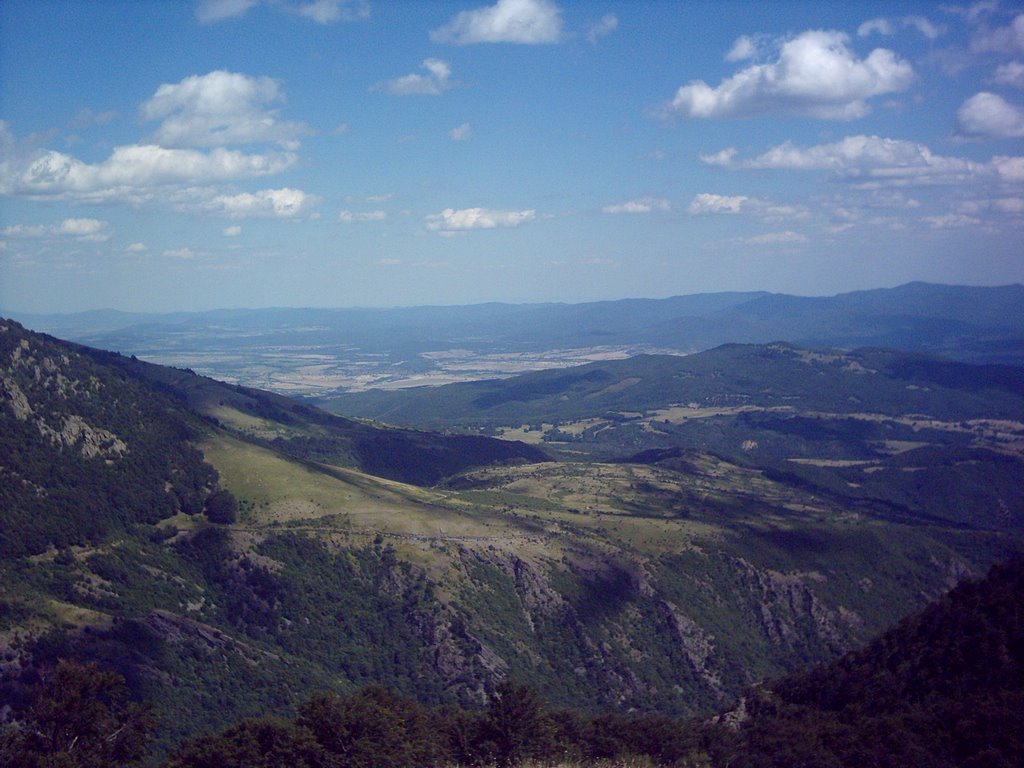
943	689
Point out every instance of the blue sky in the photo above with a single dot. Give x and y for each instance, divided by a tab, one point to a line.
159	155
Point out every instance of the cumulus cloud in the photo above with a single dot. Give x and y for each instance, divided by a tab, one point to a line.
319	11
507	21
989	116
284	203
873	161
852	152
745	47
711	203
132	172
1011	73
434	83
349	217
233	231
220	109
639	205
463	132
816	75
599	29
451	220
88	230
136	248
708	203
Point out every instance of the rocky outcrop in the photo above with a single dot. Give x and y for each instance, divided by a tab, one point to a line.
697	645
46	374
11	394
791	614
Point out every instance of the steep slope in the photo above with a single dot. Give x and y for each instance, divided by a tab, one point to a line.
943	688
85	449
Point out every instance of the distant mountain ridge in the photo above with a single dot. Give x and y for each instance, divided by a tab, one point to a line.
973	324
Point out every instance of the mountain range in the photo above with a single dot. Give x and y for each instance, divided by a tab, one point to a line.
668	537
328	351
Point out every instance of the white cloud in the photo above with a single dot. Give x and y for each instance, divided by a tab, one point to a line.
1011	73
330	11
775	238
639	205
816	75
987	115
131	173
24	230
599	29
284	203
744	48
319	11
883	26
1013	206
136	248
451	220
852	152
951	221
872	162
507	21
434	83
975	12
1009	169
180	253
463	132
233	231
1008	39
220	109
707	202
209	11
723	158
349	218
879	26
924	26
86	230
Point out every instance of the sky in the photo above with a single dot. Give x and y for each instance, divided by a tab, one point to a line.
163	156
